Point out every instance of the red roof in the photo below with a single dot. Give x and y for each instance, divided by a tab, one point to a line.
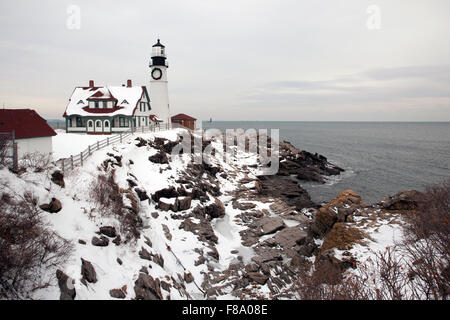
26	123
182	116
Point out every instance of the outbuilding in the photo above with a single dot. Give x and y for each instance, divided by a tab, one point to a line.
184	120
31	132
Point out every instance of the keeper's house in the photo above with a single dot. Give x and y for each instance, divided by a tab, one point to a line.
110	109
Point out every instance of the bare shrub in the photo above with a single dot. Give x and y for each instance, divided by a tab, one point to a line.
36	161
29	250
5	149
416	268
109	199
427	243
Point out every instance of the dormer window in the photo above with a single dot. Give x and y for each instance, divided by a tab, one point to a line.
79	102
105	104
96	104
124	102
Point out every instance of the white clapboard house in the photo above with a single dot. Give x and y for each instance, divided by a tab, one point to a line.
29	130
109	109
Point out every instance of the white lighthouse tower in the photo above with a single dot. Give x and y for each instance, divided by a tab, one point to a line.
159	93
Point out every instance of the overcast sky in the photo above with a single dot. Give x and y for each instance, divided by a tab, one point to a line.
237	60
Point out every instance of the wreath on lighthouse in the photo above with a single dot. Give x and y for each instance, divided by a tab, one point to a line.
156	73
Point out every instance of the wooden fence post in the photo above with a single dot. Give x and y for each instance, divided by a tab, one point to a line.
16	157
81	157
71	160
120	138
107	141
98	147
89	149
62	162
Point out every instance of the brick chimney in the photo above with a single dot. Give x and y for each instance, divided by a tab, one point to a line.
129	83
91	83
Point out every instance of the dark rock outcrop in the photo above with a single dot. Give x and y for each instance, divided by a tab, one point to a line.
287	190
142	194
53	207
146	288
404	201
305	165
100	242
170	192
160	158
66	287
87	271
57	178
117	293
108	231
338	209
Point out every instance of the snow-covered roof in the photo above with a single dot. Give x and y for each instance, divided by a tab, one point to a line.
125	100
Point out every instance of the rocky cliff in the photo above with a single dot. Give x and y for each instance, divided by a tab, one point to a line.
149	225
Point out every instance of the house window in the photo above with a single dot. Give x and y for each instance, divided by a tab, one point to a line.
79	122
105	104
143	106
121	122
106	124
70	122
90	123
96	104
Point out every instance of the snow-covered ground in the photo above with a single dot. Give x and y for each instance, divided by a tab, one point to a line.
80	219
67	144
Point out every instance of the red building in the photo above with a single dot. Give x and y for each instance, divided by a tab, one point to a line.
184	120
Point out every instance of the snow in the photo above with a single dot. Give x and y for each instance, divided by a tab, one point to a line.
67	144
131	94
81	219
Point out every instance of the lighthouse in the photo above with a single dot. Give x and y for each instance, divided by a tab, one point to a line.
159	93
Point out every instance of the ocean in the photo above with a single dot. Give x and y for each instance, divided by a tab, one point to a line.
380	158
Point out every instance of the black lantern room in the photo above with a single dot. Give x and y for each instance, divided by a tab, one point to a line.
158	55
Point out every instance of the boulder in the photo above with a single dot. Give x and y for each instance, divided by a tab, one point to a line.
88	271
258	277
100	242
66	286
290	237
117	293
215	210
243	205
170	192
131	183
142	194
270	225
338	209
117	240
145	288
108	231
184	203
404	201
166	204
57	178
188	277
160	158
53	207
144	254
